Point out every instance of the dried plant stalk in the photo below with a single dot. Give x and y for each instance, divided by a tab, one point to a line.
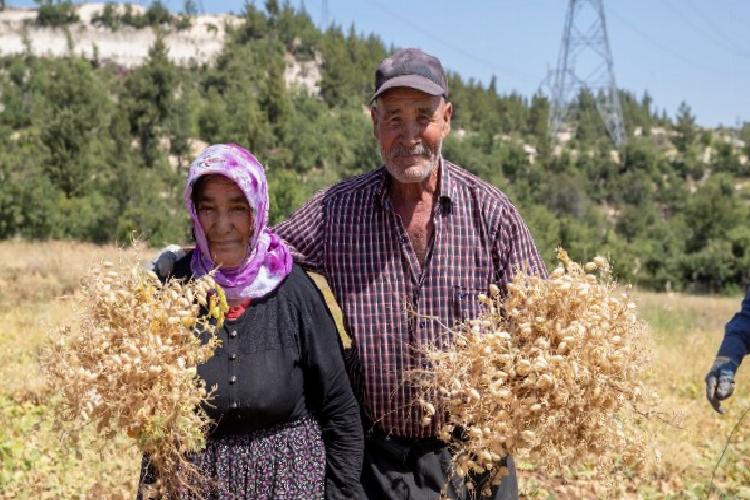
550	372
129	365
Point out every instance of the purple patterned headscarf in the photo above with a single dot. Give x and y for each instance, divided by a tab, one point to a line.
268	261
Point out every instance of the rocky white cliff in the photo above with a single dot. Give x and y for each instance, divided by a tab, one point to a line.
128	47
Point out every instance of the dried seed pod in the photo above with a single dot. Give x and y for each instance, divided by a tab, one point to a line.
546	373
427	407
130	365
523	367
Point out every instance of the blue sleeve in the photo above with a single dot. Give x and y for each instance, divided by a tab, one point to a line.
736	343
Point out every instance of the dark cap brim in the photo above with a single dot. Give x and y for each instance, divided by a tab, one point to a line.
415	82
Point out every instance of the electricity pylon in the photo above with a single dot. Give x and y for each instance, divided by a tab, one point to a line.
585	62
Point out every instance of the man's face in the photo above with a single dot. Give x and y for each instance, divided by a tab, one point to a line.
410	127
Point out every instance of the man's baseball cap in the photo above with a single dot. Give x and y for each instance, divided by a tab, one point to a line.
411	68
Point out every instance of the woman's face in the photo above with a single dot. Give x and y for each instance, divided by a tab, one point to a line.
226	218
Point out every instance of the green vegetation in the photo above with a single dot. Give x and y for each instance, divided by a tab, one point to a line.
157	15
55	12
92	153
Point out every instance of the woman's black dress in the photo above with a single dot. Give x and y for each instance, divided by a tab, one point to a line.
286	422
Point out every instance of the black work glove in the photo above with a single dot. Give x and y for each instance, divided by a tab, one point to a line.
720	381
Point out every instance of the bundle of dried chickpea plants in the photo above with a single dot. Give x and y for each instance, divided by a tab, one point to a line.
129	365
549	373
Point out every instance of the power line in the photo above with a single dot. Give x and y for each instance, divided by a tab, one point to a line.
486	62
708	35
718	31
665	48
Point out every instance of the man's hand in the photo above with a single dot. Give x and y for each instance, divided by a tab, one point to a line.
720	381
163	264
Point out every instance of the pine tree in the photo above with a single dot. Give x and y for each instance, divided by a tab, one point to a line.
149	99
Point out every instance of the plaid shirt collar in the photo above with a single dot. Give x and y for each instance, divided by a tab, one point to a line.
446	189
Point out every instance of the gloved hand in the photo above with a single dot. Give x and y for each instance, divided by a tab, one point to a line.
720	381
163	264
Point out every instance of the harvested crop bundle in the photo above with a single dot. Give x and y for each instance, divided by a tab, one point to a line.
129	364
550	372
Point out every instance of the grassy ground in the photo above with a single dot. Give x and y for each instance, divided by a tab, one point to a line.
685	332
37	284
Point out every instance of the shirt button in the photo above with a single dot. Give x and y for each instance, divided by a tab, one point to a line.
232	379
232	357
422	324
233	404
233	333
404	239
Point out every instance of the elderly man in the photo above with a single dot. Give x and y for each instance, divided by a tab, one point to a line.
406	249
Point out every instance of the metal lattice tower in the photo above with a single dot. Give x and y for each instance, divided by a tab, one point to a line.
585	62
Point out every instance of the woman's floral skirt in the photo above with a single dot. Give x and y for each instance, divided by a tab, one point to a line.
286	461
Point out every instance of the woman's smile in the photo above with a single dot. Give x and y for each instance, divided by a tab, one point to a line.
226	218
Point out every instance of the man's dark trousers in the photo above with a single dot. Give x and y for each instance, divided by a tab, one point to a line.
415	469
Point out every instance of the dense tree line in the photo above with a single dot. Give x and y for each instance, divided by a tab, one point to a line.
85	150
55	12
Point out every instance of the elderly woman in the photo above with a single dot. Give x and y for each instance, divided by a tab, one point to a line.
286	422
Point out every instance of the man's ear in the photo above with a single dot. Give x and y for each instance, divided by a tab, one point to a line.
374	118
447	115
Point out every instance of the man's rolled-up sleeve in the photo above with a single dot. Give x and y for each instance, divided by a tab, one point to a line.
303	232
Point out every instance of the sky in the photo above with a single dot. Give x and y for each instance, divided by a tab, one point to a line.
697	51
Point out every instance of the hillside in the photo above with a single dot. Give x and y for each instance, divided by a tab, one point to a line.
96	36
94	147
127	46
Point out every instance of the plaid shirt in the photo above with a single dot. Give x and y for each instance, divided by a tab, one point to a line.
351	234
